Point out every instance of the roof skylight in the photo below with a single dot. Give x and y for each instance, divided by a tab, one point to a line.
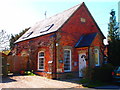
27	34
46	28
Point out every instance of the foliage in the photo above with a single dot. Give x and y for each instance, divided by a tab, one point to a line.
6	52
113	40
90	83
96	84
27	73
113	27
97	76
114	52
16	37
87	72
69	75
4	40
84	80
103	73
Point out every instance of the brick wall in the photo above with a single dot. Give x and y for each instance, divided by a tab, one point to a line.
65	38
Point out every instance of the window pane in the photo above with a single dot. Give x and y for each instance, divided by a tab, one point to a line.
41	54
96	57
67	67
41	60
67	62
66	59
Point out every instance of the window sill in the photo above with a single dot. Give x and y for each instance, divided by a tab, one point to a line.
40	69
67	71
97	65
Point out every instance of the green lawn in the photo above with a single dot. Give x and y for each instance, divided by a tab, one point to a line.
89	83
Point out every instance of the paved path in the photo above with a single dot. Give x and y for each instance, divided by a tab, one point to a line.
42	82
35	82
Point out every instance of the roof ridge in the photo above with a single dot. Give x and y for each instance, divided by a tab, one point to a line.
58	20
60	13
66	10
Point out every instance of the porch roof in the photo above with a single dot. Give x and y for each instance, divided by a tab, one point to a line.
85	40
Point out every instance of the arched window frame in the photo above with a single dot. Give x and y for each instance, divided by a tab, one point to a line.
70	60
43	57
98	59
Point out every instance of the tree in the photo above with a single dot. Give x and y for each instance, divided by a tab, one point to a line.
113	27
4	40
16	37
113	40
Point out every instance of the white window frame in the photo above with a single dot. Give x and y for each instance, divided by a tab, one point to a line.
43	61
70	61
98	61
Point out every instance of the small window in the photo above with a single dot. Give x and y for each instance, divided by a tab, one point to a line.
83	20
96	57
41	60
67	60
27	34
46	28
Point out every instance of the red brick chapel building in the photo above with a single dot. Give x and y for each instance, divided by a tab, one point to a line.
62	45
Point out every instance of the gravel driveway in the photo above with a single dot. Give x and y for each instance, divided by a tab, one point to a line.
35	82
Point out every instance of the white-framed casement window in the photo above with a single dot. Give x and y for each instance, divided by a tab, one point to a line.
97	57
67	60
41	60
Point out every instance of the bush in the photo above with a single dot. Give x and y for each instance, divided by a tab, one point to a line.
29	73
69	75
87	72
102	73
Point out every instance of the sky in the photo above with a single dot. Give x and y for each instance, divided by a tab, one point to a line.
16	15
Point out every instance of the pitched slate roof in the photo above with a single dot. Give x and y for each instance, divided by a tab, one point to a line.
85	40
49	25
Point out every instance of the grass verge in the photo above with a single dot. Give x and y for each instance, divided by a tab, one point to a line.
91	84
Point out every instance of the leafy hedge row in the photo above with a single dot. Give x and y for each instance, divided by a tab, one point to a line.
103	73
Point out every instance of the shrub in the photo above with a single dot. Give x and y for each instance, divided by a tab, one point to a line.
87	72
102	73
29	73
69	75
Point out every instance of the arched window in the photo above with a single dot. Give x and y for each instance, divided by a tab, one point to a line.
97	61
41	60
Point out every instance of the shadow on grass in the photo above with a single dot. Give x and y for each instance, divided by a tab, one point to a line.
98	84
93	84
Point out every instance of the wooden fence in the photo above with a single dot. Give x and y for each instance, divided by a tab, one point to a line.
17	63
